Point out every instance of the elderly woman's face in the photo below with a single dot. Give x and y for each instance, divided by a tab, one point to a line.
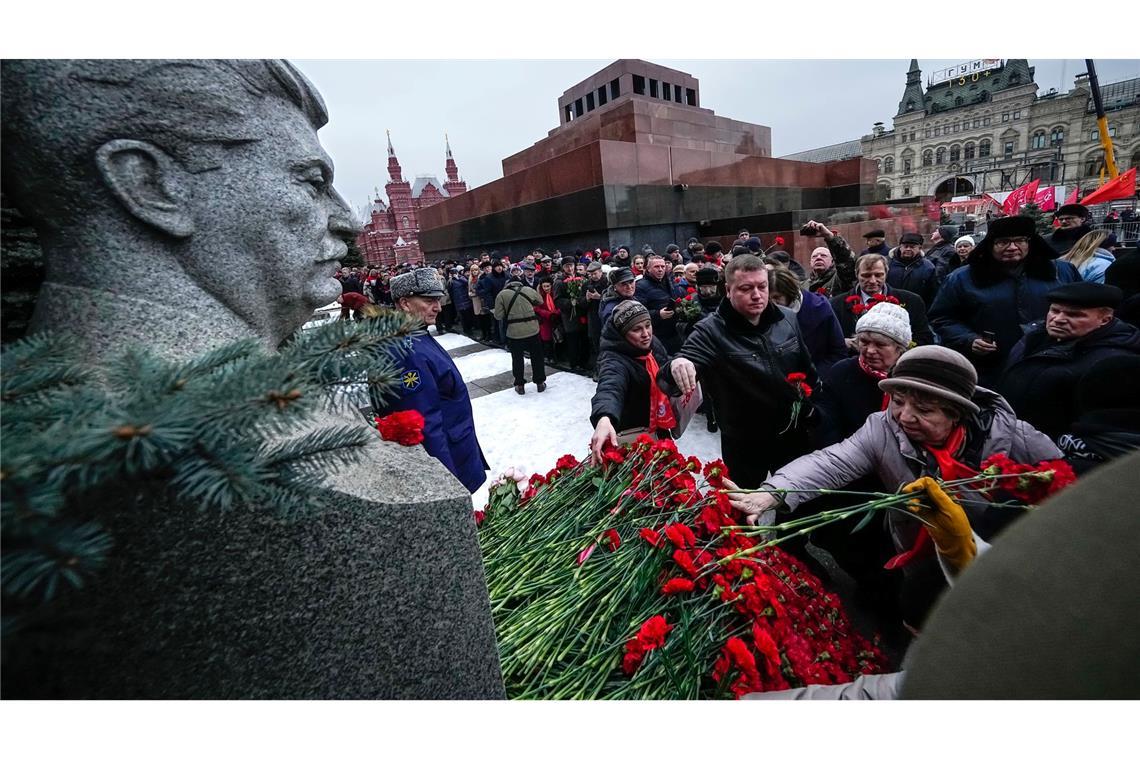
878	351
923	419
964	249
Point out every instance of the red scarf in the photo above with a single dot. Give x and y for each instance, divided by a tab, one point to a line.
877	375
548	301
950	469
660	410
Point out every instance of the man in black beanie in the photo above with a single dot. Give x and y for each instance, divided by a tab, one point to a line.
1044	368
1074	220
876	241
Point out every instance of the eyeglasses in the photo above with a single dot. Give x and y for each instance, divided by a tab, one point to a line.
1004	242
1068	219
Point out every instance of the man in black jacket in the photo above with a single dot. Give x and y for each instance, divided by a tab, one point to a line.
742	355
910	271
871	274
1074	221
655	291
596	285
1044	368
876	243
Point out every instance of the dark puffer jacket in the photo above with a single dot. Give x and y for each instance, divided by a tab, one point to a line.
1062	240
743	368
623	384
849	395
657	295
983	296
822	333
1041	377
917	276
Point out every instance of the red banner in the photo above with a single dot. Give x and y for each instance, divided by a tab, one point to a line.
1046	199
1073	196
1020	197
1123	186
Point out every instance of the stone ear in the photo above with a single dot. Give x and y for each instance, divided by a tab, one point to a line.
145	180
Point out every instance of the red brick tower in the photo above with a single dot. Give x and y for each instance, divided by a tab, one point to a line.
454	186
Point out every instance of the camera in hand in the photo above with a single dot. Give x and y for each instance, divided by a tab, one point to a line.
809	230
988	336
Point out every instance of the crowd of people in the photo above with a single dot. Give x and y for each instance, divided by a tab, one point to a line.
863	370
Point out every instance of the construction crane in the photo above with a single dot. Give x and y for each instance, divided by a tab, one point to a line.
1102	122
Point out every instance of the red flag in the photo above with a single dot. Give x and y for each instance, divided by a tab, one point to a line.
1123	186
1073	196
1046	199
1020	197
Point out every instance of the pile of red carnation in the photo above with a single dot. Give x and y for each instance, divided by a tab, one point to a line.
668	610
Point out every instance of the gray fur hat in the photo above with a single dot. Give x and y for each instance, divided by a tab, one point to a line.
418	282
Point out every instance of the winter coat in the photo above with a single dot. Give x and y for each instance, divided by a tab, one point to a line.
1093	269
571	309
548	319
881	447
1041	375
743	369
489	287
840	276
431	384
882	249
655	296
1062	240
917	276
623	384
457	288
983	297
351	285
516	304
476	301
593	306
945	259
1100	436
847	397
610	299
822	333
920	331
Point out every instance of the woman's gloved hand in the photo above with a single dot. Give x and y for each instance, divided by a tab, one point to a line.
945	521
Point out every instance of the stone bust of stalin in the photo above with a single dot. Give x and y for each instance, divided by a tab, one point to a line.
182	204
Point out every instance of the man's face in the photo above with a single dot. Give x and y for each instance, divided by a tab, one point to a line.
707	291
936	237
744	235
1009	251
596	275
1065	321
426	309
497	269
273	209
820	260
1070	221
625	289
579	270
748	294
691	273
874	242
907	251
872	278
657	268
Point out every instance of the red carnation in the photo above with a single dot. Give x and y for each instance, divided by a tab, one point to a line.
653	632
650	535
611	539
779	240
681	536
566	462
677	586
405	428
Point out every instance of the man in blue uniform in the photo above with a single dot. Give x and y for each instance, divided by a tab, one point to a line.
431	384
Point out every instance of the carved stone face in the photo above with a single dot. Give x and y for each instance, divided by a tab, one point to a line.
268	225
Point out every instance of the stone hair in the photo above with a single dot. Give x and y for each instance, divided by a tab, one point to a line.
57	114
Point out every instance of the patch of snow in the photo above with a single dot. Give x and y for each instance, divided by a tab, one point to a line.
451	340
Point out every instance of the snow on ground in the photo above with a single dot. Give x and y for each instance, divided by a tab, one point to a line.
451	340
531	431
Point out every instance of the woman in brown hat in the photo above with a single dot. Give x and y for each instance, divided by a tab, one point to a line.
938	423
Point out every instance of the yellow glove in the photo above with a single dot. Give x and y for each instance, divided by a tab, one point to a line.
946	523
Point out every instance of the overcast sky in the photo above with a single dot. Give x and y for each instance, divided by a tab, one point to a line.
492	109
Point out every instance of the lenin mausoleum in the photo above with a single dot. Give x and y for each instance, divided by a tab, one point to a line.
636	160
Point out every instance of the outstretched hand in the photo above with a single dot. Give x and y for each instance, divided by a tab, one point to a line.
603	433
945	521
759	507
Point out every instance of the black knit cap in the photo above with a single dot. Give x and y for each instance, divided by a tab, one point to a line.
1087	294
713	248
938	371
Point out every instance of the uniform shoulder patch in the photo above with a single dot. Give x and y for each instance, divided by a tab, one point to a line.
410	379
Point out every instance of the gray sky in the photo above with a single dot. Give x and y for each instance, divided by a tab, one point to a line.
492	109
